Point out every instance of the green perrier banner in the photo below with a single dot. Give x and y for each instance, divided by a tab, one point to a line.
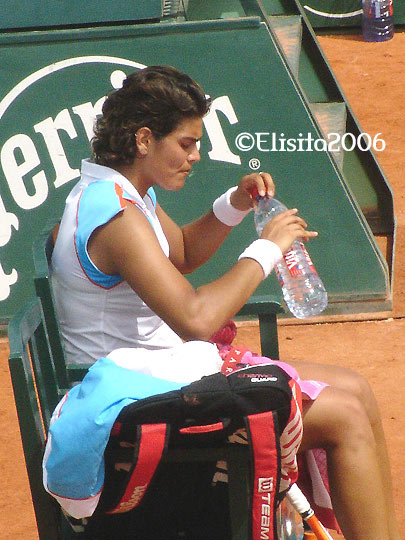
53	84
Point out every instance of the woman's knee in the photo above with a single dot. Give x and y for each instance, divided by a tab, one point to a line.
356	385
344	379
336	418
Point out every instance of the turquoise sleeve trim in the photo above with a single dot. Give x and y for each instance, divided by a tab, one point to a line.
98	204
152	194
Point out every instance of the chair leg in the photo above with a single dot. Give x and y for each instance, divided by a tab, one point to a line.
269	335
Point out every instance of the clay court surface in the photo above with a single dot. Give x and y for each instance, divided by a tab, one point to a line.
372	76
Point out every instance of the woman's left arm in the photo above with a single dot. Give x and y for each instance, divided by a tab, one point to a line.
193	244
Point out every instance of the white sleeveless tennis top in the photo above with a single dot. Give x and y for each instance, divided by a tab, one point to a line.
98	312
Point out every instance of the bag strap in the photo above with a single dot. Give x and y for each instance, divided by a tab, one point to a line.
264	440
151	444
152	441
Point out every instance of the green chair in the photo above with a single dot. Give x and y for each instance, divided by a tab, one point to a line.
36	393
42	253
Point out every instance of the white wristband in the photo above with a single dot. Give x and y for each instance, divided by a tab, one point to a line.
225	212
265	252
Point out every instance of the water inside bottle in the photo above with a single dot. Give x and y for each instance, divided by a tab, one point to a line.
306	299
377	22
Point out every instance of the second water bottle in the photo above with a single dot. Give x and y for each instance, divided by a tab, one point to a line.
377	21
303	290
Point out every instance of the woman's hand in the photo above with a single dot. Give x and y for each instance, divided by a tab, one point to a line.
251	185
286	227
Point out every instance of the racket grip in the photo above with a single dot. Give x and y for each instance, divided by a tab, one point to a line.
299	501
320	532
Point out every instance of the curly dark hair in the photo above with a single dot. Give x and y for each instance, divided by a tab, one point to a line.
157	97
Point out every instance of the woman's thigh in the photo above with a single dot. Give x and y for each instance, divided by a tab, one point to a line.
338	377
345	379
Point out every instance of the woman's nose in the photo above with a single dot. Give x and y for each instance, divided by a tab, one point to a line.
194	156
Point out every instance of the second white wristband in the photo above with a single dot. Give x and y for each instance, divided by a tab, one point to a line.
265	252
225	212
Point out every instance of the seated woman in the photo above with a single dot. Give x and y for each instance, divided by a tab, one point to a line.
118	268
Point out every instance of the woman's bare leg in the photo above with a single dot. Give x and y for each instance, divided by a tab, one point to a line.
351	382
337	422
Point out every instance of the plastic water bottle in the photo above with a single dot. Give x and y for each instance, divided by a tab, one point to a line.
377	23
303	290
287	526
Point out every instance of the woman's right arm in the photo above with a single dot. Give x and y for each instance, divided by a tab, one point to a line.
127	245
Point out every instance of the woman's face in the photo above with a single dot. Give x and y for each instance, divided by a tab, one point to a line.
169	161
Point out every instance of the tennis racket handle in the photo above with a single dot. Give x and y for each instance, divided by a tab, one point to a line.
320	532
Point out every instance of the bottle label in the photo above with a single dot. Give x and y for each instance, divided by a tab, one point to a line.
378	9
292	261
308	258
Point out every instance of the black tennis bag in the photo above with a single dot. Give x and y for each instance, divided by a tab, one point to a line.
203	413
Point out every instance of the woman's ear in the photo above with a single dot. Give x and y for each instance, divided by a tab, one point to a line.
143	139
